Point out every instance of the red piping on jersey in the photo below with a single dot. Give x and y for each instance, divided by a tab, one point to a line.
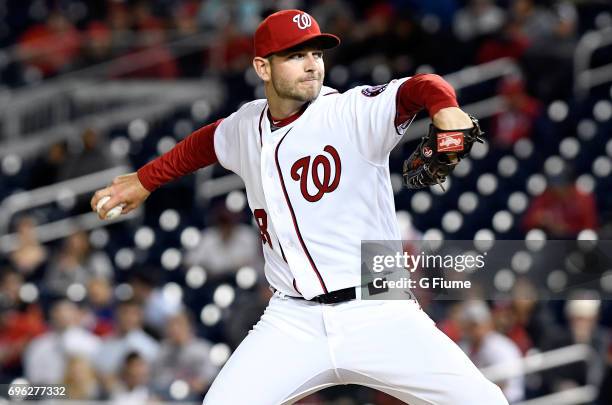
287	120
295	225
295	286
282	252
260	131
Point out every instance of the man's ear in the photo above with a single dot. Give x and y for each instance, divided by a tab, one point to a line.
262	68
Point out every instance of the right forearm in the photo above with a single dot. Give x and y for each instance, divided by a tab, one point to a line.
194	152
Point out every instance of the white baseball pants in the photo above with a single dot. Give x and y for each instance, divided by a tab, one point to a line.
299	347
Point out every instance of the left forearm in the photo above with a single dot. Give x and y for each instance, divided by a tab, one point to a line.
452	118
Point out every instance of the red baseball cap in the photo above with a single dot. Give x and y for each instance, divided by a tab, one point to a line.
288	28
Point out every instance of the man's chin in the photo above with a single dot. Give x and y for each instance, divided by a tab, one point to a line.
311	94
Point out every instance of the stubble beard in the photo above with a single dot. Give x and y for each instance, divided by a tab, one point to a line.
292	91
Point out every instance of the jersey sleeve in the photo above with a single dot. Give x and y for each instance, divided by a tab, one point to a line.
378	116
192	153
227	143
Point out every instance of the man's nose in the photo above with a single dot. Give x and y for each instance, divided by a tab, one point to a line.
310	63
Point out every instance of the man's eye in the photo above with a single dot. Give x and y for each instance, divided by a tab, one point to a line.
318	55
296	56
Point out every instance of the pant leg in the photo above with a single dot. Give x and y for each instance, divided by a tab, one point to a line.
396	348
284	358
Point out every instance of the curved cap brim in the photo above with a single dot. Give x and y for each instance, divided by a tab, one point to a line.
324	41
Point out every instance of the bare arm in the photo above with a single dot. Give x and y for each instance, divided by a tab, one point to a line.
132	189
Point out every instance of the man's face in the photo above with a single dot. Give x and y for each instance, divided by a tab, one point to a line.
298	74
129	317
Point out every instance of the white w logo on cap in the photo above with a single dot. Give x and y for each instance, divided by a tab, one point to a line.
303	21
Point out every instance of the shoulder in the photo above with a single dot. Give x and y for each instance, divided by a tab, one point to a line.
251	109
371	91
247	113
366	93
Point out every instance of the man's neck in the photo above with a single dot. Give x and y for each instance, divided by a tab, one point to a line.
281	110
276	123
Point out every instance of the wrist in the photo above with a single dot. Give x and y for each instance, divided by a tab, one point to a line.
452	118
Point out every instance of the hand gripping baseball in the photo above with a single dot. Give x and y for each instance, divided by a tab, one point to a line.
125	191
439	152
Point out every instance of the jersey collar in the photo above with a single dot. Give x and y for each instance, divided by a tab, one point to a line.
275	124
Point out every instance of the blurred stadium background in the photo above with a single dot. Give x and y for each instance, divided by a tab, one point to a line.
150	306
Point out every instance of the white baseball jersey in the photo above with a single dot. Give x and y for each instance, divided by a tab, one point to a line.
319	185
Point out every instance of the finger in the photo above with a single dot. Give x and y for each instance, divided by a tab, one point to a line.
97	196
109	205
128	208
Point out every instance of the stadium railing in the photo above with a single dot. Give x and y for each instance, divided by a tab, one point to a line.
72	188
586	77
537	362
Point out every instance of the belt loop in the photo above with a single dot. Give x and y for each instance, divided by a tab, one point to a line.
278	293
358	293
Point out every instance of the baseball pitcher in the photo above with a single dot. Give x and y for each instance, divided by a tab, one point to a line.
315	165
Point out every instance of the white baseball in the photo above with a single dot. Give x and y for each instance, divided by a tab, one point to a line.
114	213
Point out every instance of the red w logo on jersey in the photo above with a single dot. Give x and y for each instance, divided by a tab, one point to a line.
450	142
301	168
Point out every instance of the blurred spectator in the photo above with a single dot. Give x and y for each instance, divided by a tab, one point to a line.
530	321
46	171
214	14
516	119
99	318
185	357
50	47
582	317
20	322
75	263
135	378
67	337
605	393
30	256
545	27
129	337
477	19
551	34
120	23
451	323
151	59
232	51
93	158
186	23
246	311
507	323
98	44
485	347
562	210
225	247
508	43
157	306
326	12
80	380
143	17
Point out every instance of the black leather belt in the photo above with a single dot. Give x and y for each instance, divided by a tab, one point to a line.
343	295
334	297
